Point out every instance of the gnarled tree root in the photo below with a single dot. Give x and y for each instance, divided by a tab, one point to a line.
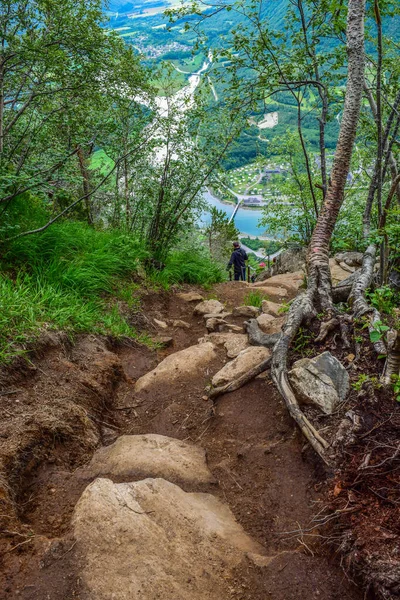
238	383
357	297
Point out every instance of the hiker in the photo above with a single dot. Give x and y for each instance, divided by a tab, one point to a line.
238	258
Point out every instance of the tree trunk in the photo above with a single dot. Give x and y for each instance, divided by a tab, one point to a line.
85	181
318	254
319	290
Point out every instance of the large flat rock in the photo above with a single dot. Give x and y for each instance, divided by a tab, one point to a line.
151	540
134	457
235	343
246	360
180	366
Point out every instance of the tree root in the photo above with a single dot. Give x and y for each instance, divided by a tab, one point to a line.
358	300
241	381
257	337
392	365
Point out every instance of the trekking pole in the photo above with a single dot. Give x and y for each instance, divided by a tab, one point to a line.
248	274
230	275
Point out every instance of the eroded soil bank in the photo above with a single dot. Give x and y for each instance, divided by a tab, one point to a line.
71	399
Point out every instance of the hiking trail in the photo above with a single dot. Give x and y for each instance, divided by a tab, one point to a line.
131	484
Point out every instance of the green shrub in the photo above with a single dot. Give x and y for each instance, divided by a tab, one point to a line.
254	298
189	266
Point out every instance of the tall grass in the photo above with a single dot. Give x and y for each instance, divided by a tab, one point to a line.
188	266
61	279
254	298
69	276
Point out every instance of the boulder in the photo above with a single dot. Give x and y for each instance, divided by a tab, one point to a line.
288	261
321	381
150	539
190	297
270	308
290	281
181	324
209	307
235	343
338	274
134	457
218	339
246	360
270	324
352	259
246	311
180	366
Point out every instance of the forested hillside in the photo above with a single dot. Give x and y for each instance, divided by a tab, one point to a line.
139	144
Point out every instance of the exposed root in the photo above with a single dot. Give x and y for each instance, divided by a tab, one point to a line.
357	296
257	337
302	310
241	381
392	365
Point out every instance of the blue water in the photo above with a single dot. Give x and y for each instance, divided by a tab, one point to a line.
246	220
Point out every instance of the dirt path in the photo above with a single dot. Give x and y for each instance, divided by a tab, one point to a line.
263	471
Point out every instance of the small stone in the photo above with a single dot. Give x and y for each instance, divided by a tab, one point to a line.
322	381
164	340
190	297
209	307
214	324
182	324
269	324
161	324
246	311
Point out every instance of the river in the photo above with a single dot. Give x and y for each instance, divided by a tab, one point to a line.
246	219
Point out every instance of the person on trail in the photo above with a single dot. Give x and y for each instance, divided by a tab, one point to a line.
238	258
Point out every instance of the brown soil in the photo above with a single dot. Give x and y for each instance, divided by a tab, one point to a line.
71	399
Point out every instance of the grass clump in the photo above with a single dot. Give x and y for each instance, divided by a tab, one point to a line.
189	266
254	298
64	279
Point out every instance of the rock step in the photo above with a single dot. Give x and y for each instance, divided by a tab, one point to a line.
150	539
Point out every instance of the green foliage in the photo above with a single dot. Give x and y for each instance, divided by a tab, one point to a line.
396	386
384	299
65	278
74	256
378	331
268	246
362	379
220	234
254	298
189	266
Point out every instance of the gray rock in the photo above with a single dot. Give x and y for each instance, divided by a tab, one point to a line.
214	324
352	259
322	381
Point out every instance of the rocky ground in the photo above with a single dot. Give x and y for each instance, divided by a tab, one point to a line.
122	480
